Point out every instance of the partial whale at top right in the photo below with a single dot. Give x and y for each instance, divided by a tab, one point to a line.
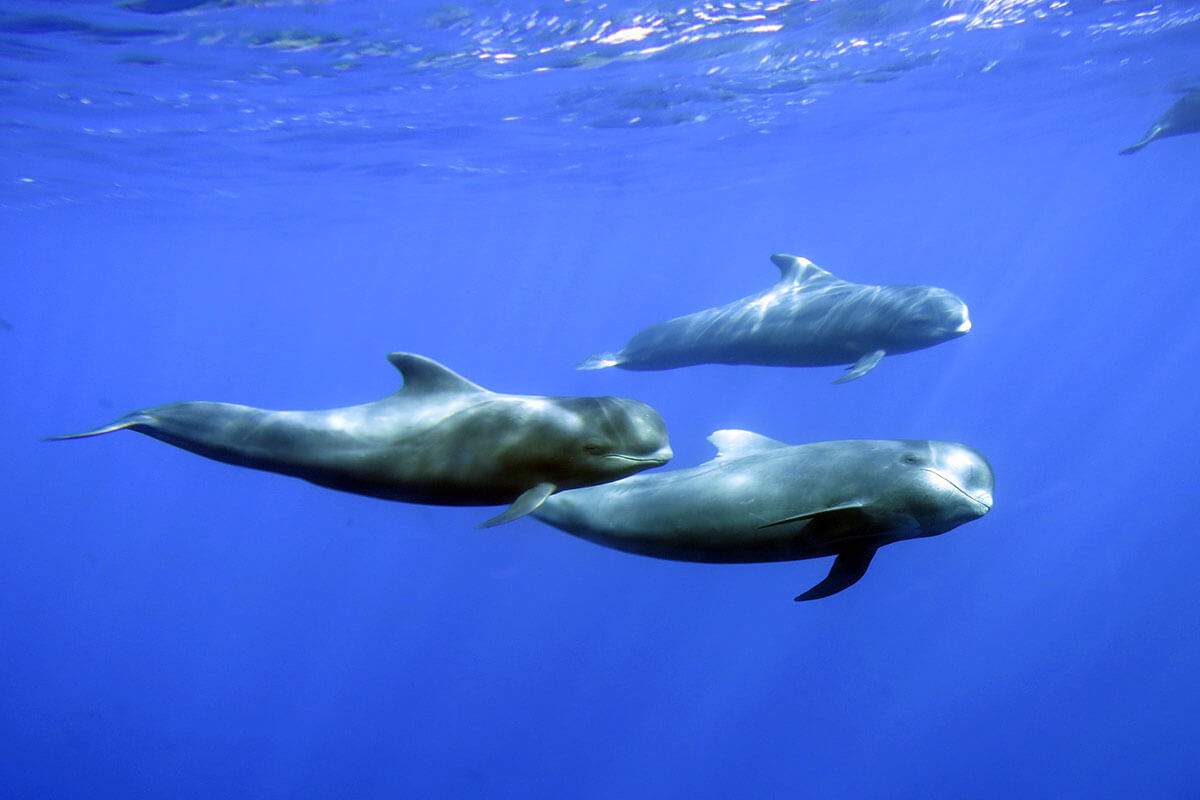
808	318
1181	118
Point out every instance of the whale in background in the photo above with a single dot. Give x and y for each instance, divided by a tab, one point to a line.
808	318
1181	118
440	439
762	500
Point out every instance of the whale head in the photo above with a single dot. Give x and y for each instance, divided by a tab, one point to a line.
927	315
619	437
939	485
583	441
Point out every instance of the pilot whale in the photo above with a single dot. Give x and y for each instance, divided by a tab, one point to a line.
762	500
440	439
1181	118
808	318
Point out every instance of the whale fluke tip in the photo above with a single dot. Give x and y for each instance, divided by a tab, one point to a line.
121	424
599	361
1155	132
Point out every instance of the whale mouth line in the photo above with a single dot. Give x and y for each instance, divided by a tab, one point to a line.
986	508
637	460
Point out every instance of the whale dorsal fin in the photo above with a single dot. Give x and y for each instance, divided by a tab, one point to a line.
735	444
795	269
425	376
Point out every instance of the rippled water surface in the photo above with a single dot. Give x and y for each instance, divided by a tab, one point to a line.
222	90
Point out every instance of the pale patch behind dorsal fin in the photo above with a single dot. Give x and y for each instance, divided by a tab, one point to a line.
425	376
735	444
799	270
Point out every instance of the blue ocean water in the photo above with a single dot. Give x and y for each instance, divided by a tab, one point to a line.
256	201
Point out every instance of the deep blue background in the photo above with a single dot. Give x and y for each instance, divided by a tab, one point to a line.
174	627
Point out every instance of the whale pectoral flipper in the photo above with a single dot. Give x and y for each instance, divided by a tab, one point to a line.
850	565
863	366
842	513
527	503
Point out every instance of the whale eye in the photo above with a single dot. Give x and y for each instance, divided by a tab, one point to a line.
593	448
910	458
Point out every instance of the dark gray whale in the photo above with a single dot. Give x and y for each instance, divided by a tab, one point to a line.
1181	118
762	500
440	440
809	318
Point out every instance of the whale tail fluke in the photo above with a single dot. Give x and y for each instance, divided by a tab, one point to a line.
127	421
1155	132
600	361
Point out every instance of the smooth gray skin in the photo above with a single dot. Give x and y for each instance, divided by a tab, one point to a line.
809	318
1181	118
761	500
440	440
